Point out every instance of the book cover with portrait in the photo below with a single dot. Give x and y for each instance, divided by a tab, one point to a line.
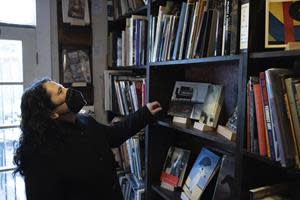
174	168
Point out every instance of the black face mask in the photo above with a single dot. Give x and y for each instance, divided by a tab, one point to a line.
75	100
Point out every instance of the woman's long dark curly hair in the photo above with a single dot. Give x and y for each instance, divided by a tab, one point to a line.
36	108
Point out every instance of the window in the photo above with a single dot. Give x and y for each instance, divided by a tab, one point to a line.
18	12
11	89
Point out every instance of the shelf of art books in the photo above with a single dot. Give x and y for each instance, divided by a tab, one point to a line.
211	135
166	194
197	60
275	54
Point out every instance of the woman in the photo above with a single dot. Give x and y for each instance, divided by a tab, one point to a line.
64	155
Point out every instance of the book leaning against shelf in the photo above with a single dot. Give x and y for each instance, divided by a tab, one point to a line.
197	101
203	170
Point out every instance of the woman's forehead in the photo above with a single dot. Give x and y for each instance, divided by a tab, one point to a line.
51	86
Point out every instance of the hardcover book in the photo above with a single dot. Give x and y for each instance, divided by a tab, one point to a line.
204	168
174	168
225	182
197	101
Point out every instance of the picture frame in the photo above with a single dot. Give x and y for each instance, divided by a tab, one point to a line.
282	23
76	66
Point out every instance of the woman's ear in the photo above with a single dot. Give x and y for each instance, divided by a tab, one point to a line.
54	115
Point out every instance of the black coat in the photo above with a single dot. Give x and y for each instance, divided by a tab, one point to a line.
83	168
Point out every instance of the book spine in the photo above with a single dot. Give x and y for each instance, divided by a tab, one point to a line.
268	123
260	121
179	31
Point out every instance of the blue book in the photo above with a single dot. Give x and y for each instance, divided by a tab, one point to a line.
179	31
200	175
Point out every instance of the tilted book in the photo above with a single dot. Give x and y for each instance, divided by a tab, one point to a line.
204	168
174	168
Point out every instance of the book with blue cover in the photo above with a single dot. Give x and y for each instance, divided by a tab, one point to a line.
204	168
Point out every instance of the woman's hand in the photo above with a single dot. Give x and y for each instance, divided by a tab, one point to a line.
154	107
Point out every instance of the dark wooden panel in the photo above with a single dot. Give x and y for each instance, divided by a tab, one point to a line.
226	74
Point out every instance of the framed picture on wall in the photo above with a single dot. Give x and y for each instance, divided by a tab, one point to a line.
76	66
282	23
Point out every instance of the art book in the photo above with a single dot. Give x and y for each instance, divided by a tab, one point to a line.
174	168
204	168
197	101
225	182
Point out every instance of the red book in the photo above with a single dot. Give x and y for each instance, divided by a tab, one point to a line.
260	120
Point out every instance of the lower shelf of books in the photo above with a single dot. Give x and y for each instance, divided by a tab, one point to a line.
166	194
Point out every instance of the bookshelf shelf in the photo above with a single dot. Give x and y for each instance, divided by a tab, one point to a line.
214	59
261	159
270	162
141	10
221	142
166	194
274	54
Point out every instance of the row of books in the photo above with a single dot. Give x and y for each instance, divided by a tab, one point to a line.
130	156
194	29
132	188
118	8
273	116
124	92
206	166
128	47
130	161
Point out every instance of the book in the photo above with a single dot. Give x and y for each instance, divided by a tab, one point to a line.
224	189
174	168
212	105
267	191
197	101
204	168
268	123
275	79
187	99
260	120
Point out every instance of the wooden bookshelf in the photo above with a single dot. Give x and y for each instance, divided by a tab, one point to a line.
233	72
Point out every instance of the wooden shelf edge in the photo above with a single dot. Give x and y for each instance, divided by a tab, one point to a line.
270	162
198	60
166	194
210	136
274	54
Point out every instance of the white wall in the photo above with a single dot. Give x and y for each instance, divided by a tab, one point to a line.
43	38
99	26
